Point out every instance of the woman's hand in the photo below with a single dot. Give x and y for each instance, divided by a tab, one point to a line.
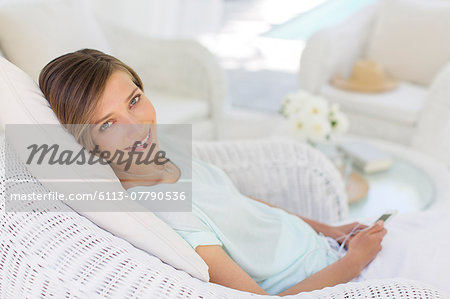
339	233
364	246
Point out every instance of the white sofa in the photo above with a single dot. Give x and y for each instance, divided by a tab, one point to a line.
181	77
392	115
55	253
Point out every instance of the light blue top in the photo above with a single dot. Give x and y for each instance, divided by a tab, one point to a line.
275	248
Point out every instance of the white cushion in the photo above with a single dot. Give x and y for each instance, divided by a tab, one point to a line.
402	105
409	38
22	102
433	130
31	34
173	109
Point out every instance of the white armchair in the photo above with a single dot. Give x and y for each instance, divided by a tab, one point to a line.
392	115
433	130
62	254
181	77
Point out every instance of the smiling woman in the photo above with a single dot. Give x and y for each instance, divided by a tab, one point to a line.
103	100
88	71
263	249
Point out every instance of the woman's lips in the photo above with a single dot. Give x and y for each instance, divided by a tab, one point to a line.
143	143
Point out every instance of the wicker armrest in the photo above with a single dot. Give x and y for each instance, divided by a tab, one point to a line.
289	174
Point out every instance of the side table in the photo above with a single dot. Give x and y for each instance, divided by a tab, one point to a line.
415	182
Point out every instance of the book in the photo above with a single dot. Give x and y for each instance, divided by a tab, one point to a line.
367	157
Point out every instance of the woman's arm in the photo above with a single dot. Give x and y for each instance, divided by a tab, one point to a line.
224	271
363	248
341	271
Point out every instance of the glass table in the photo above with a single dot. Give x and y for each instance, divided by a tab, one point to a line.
404	187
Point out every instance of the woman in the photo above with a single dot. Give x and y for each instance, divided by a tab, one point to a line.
248	244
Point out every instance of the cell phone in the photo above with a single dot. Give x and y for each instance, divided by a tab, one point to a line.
386	216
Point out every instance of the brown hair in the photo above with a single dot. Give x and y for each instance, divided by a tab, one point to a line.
73	84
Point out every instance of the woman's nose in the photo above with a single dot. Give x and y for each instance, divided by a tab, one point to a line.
127	119
130	125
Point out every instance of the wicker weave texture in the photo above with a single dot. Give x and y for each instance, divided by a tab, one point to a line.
50	253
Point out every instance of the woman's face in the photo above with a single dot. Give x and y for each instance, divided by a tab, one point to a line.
123	117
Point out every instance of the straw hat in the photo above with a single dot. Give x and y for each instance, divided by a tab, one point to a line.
367	76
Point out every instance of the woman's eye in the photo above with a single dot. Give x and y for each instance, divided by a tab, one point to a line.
135	100
105	126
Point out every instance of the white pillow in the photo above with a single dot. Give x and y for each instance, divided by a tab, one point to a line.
31	34
410	39
22	102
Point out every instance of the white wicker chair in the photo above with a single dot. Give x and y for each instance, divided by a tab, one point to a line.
393	115
62	254
180	75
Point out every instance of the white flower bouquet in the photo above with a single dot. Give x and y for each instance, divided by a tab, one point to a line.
311	118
